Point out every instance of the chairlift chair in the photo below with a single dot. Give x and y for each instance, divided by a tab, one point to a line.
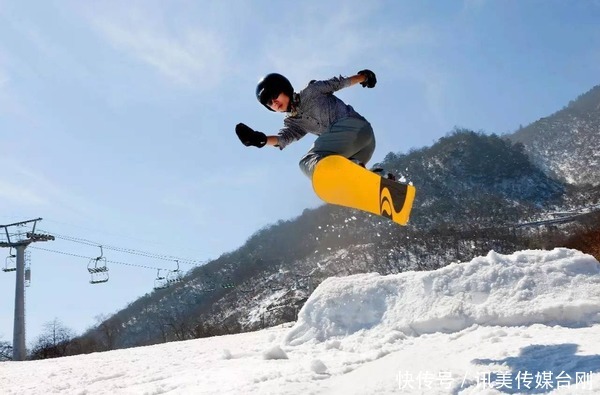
160	282
10	264
228	283
174	276
98	269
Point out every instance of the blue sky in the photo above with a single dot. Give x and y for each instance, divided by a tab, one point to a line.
117	118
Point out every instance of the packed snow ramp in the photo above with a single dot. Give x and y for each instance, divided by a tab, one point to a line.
558	287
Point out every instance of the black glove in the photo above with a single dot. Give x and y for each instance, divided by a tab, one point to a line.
370	79
249	136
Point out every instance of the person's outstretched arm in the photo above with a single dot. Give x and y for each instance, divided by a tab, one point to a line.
365	77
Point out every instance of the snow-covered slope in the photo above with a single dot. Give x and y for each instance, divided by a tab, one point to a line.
527	322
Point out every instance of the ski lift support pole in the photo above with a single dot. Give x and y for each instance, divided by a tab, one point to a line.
20	244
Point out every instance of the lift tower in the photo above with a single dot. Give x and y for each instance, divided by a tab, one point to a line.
19	242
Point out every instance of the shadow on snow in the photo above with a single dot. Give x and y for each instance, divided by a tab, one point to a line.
540	369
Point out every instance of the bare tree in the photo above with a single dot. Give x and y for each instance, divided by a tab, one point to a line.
6	351
177	323
108	328
53	342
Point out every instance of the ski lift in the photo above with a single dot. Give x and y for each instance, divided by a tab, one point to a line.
98	270
10	264
228	283
174	276
160	282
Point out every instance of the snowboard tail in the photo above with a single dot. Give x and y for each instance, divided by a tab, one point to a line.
339	181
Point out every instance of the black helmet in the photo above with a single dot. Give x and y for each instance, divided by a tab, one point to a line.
270	86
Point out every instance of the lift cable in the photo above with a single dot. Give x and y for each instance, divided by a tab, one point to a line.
88	258
130	251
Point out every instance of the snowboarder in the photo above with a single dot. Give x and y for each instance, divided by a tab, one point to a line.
315	109
336	162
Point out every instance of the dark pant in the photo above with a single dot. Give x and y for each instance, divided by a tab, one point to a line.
351	138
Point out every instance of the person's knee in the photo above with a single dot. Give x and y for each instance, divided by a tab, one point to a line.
305	166
308	162
368	147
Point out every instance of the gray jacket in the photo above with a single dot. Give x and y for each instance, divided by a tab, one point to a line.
315	109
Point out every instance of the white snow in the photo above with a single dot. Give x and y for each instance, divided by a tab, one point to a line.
557	287
275	352
522	323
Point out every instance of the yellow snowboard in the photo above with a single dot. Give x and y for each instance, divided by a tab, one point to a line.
337	180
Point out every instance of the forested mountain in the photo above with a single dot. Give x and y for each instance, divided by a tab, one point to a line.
476	192
566	143
469	176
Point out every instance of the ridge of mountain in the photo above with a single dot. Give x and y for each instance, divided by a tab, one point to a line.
565	143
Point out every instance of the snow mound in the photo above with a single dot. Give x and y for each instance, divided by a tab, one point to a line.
558	287
318	366
275	352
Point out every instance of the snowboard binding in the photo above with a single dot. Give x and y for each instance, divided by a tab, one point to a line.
380	171
383	173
